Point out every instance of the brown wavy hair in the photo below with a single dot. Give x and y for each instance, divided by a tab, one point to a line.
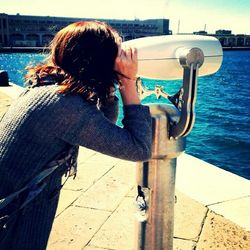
81	61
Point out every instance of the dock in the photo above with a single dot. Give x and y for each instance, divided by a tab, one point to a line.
97	210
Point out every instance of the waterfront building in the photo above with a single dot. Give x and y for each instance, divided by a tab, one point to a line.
227	39
36	31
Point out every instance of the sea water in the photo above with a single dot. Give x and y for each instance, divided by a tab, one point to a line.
221	134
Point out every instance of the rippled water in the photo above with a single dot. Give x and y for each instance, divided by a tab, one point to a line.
221	132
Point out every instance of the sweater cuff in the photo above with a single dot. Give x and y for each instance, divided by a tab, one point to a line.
135	110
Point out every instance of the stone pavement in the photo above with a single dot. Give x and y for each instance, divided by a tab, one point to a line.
97	209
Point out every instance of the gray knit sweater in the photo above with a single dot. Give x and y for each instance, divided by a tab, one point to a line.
42	123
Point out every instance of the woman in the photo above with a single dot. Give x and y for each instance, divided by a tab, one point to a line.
70	101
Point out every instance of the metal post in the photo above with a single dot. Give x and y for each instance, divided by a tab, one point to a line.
156	178
156	186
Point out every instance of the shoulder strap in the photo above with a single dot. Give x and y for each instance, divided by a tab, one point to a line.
36	185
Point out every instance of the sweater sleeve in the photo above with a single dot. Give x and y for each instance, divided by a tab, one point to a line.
87	126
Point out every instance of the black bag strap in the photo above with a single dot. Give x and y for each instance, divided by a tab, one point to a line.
37	184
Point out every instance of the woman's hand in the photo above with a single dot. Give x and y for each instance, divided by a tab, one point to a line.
126	65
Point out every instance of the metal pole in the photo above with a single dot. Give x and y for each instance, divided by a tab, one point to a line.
156	178
156	186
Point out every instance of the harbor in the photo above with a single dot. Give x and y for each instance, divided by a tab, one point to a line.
97	210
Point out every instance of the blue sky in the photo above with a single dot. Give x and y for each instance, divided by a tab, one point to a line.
192	15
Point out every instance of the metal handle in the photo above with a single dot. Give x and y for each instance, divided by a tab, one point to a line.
184	100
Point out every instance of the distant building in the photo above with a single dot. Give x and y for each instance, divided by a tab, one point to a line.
201	32
223	32
227	39
19	30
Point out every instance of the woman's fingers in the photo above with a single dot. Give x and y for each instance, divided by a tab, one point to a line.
126	62
134	54
119	51
128	53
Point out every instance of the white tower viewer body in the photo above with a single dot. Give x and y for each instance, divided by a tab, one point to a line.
158	57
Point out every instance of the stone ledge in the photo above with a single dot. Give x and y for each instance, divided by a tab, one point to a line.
219	190
220	233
